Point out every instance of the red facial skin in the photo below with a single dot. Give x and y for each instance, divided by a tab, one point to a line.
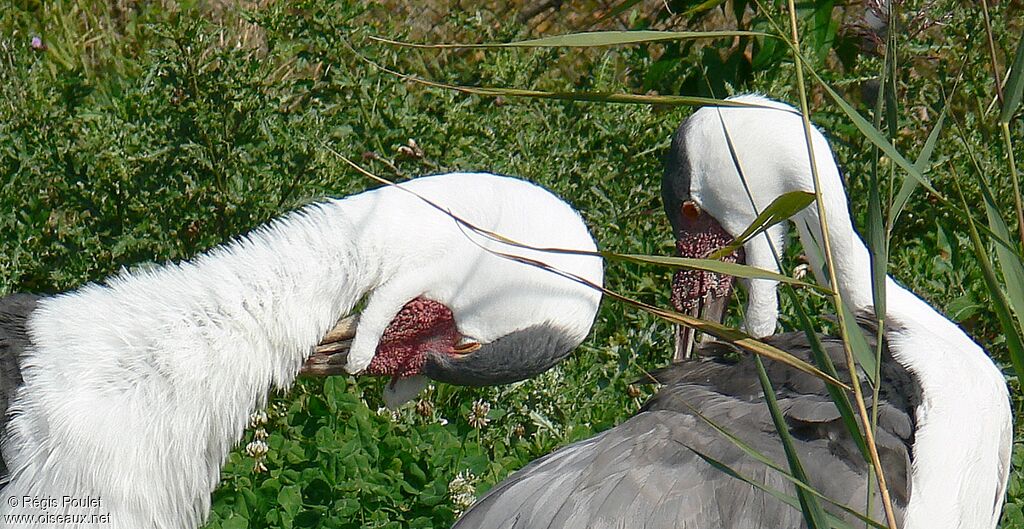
700	235
422	325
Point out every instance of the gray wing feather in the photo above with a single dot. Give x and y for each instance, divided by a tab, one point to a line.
14	340
644	473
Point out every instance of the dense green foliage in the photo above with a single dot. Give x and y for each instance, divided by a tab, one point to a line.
151	134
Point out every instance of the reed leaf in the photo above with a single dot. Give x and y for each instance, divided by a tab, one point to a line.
1000	305
756	455
589	39
861	350
1014	86
824	362
718	330
814	515
781	209
728	334
793	502
731	269
923	164
1009	262
874	136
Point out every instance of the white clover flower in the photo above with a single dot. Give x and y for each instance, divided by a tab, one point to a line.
478	414
258	418
256	449
462	491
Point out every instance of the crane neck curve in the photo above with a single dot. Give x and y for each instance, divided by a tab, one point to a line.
963	421
175	359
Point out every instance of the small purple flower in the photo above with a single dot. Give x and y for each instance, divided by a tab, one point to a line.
37	44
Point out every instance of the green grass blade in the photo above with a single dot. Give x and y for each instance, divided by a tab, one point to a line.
824	362
1000	305
861	351
923	163
731	269
597	97
756	455
814	515
1018	203
590	39
1014	86
1009	261
874	136
878	246
781	209
728	334
600	97
729	471
832	520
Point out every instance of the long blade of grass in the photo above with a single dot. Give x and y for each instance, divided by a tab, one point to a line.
874	136
1008	146
861	350
832	520
1009	261
923	163
824	362
731	269
733	336
1011	101
992	49
1014	86
1013	94
878	247
826	246
756	455
1000	305
600	97
781	209
589	39
718	330
814	515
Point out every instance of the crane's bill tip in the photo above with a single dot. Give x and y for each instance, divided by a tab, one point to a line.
402	390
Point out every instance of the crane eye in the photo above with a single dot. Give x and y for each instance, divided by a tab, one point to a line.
690	210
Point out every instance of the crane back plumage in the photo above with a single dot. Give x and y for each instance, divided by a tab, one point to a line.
655	470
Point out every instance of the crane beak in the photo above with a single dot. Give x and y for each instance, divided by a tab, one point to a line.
331	354
710	308
510	358
699	293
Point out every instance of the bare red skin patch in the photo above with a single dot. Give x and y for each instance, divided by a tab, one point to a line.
422	325
690	286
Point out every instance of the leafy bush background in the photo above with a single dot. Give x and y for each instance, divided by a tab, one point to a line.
153	131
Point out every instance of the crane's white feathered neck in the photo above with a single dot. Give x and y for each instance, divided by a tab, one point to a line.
962	442
135	390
